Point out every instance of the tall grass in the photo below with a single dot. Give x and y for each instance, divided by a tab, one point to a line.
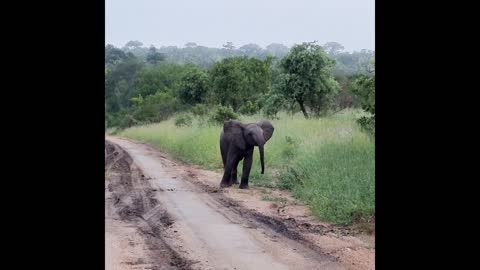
328	163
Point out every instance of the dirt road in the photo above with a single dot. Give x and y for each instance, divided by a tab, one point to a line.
160	215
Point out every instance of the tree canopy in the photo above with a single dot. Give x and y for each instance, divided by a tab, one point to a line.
144	85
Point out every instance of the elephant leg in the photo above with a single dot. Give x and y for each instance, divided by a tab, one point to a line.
247	166
227	174
223	152
233	178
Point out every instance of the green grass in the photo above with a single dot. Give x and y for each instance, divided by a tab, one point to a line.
328	163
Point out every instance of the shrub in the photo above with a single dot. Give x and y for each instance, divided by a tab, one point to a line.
200	110
222	114
272	105
364	88
249	108
183	120
368	124
156	108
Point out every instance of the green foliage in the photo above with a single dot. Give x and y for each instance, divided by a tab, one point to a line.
368	124
159	78
260	83
119	80
249	108
273	103
307	78
194	86
145	95
183	120
154	57
222	114
333	48
155	108
345	97
237	80
228	83
200	110
348	63
113	55
364	88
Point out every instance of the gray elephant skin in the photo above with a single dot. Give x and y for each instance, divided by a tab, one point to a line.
237	142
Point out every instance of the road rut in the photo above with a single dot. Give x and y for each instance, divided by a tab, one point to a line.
202	232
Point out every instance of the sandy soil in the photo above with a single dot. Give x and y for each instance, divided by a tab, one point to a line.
199	226
131	241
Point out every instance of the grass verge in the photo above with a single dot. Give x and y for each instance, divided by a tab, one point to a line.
328	163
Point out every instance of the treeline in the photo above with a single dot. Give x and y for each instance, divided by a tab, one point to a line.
144	85
347	63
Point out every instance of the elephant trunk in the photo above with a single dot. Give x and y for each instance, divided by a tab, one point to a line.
260	147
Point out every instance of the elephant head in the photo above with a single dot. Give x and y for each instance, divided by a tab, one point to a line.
248	135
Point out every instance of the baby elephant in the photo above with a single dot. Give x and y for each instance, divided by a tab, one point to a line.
237	142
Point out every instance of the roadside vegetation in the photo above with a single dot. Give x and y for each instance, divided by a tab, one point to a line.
320	100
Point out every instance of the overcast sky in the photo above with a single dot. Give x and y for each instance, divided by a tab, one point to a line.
212	23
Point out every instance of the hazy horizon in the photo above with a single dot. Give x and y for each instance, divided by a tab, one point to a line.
212	23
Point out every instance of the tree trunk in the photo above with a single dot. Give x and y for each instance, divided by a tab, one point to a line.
303	109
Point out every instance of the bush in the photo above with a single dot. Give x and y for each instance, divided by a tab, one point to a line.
183	120
193	86
249	108
368	124
200	110
156	108
222	114
364	88
272	105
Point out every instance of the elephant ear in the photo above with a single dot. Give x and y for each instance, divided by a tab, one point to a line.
232	127
267	129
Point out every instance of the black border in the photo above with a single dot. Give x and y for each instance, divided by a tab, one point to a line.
54	135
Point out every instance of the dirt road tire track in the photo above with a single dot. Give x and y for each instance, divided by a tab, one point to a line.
133	242
273	239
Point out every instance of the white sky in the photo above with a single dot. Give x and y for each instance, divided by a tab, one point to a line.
212	23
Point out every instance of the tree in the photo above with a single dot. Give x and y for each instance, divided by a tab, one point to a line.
133	44
333	48
119	82
154	57
114	55
228	81
251	50
364	88
191	45
307	77
162	78
229	45
277	50
238	80
154	108
193	87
